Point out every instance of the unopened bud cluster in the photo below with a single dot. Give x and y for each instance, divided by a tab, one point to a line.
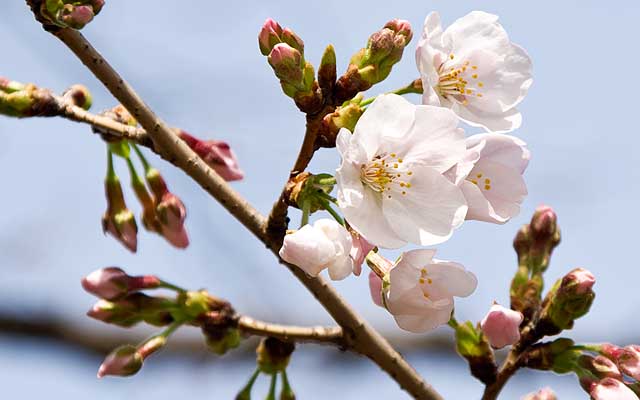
123	304
26	100
69	13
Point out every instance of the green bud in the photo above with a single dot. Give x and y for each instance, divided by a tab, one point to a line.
474	347
556	355
346	116
230	340
327	74
79	96
120	148
195	303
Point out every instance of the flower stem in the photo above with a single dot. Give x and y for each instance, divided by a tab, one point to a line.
272	388
334	214
111	173
143	160
170	286
306	211
453	322
410	88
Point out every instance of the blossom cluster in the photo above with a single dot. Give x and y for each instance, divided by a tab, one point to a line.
409	175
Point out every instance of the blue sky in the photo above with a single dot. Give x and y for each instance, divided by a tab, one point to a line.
197	64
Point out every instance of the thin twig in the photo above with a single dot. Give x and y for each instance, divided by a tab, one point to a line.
358	335
320	334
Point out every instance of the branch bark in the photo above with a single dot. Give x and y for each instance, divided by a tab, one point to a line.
358	335
319	334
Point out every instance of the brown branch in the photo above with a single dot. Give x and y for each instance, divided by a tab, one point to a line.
358	335
320	334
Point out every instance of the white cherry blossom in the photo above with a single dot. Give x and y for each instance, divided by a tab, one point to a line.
324	245
420	290
473	68
490	176
391	186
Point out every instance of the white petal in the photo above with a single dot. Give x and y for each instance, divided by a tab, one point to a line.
366	217
389	116
454	277
335	232
418	258
309	249
476	29
507	188
479	207
435	139
429	211
504	149
459	172
350	187
429	320
341	268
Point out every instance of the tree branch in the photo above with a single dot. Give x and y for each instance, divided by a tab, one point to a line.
358	335
320	334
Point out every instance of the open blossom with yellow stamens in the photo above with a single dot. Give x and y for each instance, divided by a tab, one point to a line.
419	290
490	176
391	187
472	68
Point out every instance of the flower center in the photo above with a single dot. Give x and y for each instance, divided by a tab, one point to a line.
480	180
384	173
424	280
458	80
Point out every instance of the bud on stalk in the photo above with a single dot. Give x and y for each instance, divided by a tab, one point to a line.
345	116
112	283
118	220
217	154
273	355
473	345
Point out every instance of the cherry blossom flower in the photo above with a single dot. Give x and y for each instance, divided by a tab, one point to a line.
391	186
612	389
473	68
629	361
501	326
420	290
325	244
490	176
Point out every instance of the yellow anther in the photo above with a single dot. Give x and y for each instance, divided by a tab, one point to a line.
402	184
487	181
421	281
487	187
423	271
408	184
475	182
403	192
479	95
480	84
465	102
451	56
400	160
474	76
426	296
393	155
479	175
474	67
409	173
395	165
469	91
429	281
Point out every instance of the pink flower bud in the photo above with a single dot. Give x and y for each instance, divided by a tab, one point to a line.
118	221
171	215
123	361
113	283
77	17
217	154
544	222
269	36
501	326
579	280
542	394
289	37
401	27
600	367
375	287
610	351
611	389
629	361
287	63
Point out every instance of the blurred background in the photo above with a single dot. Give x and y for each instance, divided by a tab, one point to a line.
197	64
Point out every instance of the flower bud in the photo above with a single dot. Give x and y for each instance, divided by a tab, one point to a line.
501	326
600	367
171	214
70	13
9	86
307	188
542	394
195	303
217	154
274	355
269	36
629	361
569	299
122	314
289	37
113	283
474	347
123	361
220	332
327	74
545	236
345	116
610	389
288	65
611	351
119	221
79	96
29	101
373	63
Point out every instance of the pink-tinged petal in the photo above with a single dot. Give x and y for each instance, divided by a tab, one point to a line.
462	169
612	389
629	362
428	211
359	250
403	278
341	268
177	237
542	394
501	326
435	138
376	123
375	288
453	277
417	259
107	283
